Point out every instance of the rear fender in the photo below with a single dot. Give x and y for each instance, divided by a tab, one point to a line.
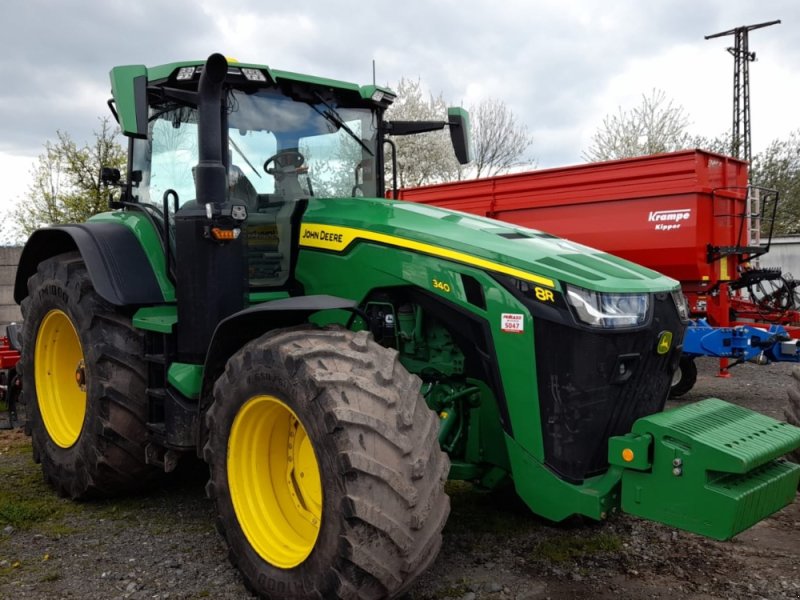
118	266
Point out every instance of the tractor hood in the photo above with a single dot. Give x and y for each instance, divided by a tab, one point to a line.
337	224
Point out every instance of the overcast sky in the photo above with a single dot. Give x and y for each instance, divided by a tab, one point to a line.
560	65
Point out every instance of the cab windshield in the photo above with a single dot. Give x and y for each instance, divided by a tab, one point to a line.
279	151
277	146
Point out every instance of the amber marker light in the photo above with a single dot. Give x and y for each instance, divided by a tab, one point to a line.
224	235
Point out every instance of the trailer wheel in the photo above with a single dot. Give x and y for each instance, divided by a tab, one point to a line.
84	381
684	378
792	410
325	467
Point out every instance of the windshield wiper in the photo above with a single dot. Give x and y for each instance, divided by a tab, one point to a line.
249	164
335	118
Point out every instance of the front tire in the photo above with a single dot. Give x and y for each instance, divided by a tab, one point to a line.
84	381
325	467
684	378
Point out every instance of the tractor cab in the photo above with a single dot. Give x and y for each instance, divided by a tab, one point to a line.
231	153
281	140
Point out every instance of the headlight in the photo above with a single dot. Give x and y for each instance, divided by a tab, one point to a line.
608	310
681	304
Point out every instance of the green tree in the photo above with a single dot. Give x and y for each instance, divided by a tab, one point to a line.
656	125
778	167
65	186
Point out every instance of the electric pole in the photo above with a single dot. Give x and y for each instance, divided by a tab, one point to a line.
742	57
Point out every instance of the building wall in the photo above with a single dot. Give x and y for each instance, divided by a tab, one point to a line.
9	311
784	253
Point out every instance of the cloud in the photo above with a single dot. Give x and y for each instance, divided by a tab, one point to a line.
560	65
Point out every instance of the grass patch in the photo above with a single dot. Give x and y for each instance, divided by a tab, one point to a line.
20	514
452	589
57	528
117	509
9	569
564	548
26	501
14	443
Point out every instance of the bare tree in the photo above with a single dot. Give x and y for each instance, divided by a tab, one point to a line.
656	125
499	141
720	144
66	180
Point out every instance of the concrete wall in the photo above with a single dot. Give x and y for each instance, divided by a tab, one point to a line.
784	252
9	311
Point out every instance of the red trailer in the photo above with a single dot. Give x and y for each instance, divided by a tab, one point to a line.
688	214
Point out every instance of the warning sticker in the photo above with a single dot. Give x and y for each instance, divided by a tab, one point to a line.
512	322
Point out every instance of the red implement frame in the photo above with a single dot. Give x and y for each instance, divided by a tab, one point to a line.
8	356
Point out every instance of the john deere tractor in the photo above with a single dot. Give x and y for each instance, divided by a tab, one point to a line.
253	299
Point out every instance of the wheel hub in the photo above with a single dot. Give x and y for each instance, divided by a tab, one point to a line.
80	375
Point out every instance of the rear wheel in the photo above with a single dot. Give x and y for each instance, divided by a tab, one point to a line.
793	408
325	467
84	381
684	378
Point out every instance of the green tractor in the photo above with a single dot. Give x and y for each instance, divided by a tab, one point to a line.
252	299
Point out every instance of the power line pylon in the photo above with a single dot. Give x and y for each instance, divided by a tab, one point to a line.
742	57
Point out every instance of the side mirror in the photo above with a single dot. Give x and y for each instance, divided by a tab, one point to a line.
110	176
129	91
458	121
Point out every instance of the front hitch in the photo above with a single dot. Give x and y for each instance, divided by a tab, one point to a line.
711	467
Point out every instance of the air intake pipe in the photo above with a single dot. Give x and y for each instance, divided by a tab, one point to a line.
211	279
210	173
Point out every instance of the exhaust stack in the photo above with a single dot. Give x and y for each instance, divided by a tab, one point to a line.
210	275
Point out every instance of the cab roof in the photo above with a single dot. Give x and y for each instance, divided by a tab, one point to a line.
130	84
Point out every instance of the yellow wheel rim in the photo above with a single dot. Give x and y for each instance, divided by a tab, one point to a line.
60	376
274	481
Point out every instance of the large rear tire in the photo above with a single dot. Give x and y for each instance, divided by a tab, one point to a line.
84	381
325	467
792	410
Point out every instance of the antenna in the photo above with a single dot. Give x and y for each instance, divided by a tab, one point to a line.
742	57
373	72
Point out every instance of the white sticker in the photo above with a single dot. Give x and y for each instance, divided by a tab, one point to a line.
512	322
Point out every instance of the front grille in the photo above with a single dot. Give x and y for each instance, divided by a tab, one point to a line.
594	385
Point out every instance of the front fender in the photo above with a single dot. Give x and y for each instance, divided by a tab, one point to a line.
236	330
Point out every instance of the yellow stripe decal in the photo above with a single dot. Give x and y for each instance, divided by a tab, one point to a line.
332	237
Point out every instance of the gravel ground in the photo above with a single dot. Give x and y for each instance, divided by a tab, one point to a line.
163	545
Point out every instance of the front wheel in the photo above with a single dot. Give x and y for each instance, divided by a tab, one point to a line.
325	467
684	378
